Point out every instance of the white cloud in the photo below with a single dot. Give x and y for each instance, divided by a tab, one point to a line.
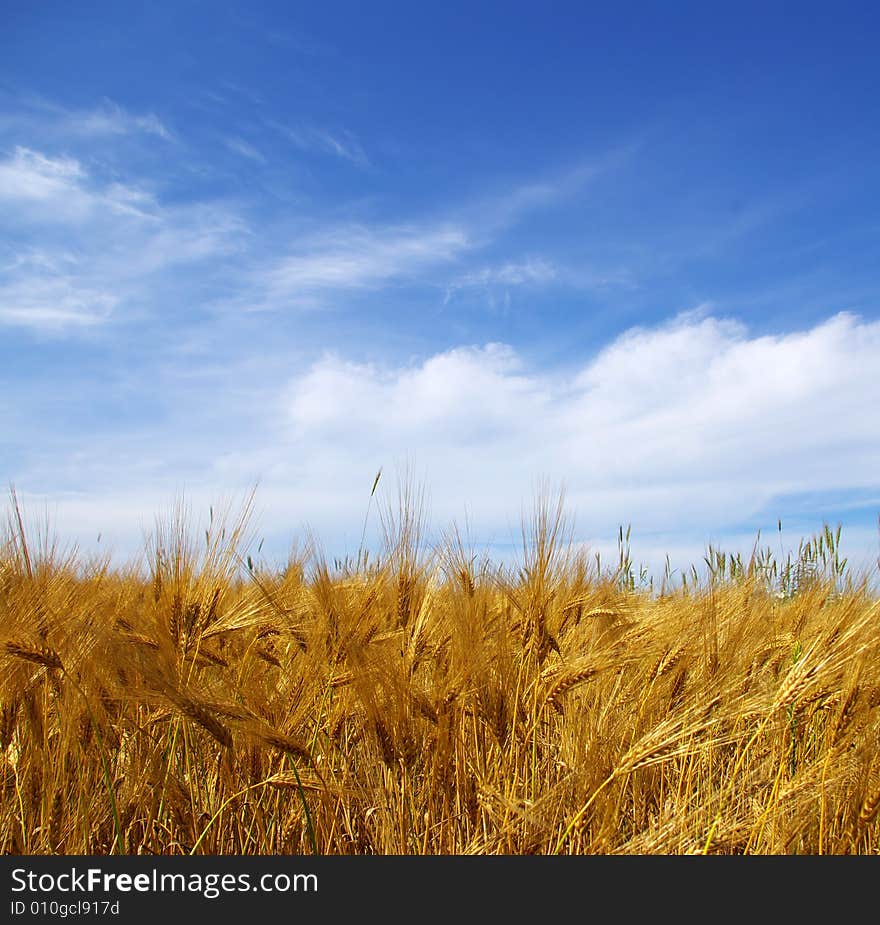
701	396
693	426
359	257
692	431
507	207
530	271
187	234
466	395
242	147
53	303
111	119
58	190
342	143
34	116
29	175
99	242
490	280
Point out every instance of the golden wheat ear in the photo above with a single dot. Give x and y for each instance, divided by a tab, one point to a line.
565	681
870	805
201	715
37	654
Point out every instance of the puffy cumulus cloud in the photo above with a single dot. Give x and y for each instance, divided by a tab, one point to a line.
464	396
701	398
694	431
690	428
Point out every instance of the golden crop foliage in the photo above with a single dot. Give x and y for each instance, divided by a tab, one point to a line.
431	702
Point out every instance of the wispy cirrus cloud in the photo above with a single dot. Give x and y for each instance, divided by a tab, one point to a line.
245	149
112	119
513	273
491	280
30	176
496	282
54	302
37	116
38	187
132	233
339	143
507	207
125	231
80	247
355	257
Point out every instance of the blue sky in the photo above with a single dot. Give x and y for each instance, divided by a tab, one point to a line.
631	248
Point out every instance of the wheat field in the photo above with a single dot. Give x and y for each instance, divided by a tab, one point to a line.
424	700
